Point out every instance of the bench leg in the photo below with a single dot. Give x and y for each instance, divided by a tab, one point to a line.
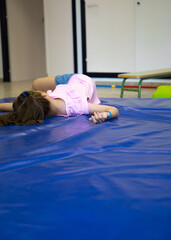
122	89
139	88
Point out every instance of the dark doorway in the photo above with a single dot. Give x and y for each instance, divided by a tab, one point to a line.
4	41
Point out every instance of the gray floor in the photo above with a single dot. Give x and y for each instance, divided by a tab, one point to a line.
13	89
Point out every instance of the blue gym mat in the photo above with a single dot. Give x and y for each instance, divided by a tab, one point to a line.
69	179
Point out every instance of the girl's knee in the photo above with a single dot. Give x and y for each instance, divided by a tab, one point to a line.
36	84
44	84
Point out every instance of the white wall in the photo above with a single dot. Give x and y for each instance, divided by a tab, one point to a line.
58	36
1	67
26	39
150	36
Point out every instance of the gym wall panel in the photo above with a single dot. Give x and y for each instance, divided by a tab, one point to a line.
26	39
58	36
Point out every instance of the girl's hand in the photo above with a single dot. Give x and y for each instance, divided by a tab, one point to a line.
99	117
102	112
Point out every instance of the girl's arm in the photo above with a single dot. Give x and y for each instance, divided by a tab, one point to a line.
99	113
7	107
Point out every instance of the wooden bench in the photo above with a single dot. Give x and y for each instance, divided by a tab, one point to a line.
142	76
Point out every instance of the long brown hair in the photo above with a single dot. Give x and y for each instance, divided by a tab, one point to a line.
29	108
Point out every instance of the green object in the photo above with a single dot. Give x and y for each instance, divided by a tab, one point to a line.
162	92
132	89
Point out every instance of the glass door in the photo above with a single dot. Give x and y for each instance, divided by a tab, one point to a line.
109	36
153	34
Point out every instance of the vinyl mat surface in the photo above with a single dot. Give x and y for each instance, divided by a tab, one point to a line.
71	179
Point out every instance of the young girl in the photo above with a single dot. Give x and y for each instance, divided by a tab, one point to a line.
64	95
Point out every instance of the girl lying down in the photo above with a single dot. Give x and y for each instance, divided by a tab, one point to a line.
64	95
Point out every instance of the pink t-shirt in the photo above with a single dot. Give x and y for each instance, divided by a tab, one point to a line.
77	93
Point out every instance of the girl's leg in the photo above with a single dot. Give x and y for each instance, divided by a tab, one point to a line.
7	107
44	84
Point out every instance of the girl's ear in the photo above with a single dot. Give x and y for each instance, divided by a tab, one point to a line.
43	94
